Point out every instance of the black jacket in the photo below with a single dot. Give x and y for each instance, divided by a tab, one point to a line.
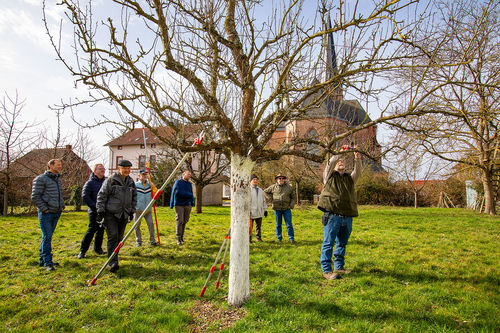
117	196
90	190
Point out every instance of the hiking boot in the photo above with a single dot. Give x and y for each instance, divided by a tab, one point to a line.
154	244
331	276
113	267
81	255
50	268
343	271
99	252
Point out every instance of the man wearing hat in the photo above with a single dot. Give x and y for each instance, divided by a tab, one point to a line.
116	202
258	207
283	199
145	192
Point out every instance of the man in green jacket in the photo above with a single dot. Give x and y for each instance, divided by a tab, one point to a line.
283	199
339	206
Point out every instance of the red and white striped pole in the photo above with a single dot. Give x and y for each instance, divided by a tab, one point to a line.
212	269
197	142
149	176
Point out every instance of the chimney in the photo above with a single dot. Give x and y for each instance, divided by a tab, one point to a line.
68	148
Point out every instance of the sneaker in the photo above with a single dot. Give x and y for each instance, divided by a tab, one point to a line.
259	239
113	267
331	276
99	252
292	241
154	244
179	242
50	268
138	244
81	255
343	271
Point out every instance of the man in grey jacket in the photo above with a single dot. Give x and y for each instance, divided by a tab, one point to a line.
48	199
115	205
258	207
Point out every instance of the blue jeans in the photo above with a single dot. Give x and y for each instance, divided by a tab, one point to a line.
287	215
338	228
48	223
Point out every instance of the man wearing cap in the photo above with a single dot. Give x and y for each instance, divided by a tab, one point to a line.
116	202
89	195
283	199
258	207
182	199
338	204
145	192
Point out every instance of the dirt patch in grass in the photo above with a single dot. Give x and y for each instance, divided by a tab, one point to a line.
209	317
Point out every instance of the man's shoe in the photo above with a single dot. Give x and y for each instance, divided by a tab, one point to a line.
81	255
331	276
138	244
113	267
154	244
179	242
41	264
55	264
50	268
343	271
99	252
259	239
292	241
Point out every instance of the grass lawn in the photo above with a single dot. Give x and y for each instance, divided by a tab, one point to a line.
413	270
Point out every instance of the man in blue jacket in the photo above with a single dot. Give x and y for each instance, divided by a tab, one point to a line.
89	194
48	199
145	192
182	198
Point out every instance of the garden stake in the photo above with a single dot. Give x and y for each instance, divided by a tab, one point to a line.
228	237
152	196
251	229
197	142
212	269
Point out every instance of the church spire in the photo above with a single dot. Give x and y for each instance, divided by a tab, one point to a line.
330	60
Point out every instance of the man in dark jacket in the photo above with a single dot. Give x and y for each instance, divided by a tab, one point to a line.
89	194
115	205
182	198
339	206
48	199
283	199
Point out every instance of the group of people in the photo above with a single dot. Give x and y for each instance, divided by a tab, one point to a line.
115	201
112	203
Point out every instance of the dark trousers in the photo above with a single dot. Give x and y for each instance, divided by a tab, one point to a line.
94	229
115	229
182	214
258	225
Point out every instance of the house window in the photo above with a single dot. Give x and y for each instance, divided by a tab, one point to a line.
312	147
120	147
142	146
153	145
118	159
142	162
152	160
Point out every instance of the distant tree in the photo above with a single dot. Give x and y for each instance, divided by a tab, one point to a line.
454	78
15	137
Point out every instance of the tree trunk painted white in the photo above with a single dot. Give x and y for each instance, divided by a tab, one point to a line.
239	271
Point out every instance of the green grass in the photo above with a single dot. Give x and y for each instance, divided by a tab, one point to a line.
413	270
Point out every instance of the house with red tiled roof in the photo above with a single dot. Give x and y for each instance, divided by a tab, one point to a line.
132	146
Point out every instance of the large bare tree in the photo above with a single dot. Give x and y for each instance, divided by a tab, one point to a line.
240	68
456	79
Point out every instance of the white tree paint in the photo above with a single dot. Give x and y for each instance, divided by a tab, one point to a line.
239	271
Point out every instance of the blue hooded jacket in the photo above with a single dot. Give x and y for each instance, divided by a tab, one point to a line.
90	190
